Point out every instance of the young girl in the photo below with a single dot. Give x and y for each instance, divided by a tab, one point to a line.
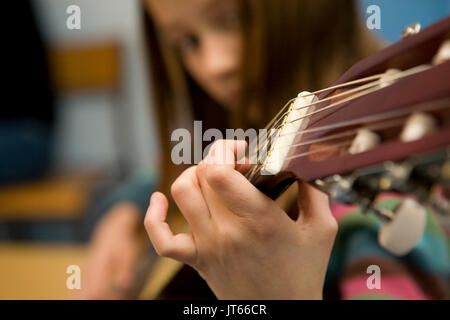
233	64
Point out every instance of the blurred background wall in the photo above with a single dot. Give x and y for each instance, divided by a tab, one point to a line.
84	135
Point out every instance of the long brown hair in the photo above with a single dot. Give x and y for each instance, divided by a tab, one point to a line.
289	46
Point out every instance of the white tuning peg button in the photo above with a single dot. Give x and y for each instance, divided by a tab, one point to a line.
365	140
417	126
388	77
400	235
443	53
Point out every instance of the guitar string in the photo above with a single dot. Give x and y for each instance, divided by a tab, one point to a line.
372	87
444	103
346	84
280	114
265	142
350	83
398	76
372	84
379	126
434	105
304	154
377	83
345	93
372	118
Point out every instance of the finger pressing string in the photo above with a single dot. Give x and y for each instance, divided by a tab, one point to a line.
239	195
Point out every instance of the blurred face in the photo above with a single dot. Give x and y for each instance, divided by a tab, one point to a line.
207	33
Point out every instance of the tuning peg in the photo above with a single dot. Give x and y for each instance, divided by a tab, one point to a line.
412	29
365	140
351	189
387	79
405	228
341	188
417	126
395	176
443	53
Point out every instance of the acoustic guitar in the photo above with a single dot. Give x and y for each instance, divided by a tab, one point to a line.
384	126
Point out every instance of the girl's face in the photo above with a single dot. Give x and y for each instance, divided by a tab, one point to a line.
207	33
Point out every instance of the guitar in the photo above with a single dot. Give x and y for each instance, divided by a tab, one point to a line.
383	126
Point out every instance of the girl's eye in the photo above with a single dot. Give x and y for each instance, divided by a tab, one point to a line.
188	43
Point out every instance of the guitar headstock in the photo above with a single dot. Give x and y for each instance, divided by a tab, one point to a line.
383	126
